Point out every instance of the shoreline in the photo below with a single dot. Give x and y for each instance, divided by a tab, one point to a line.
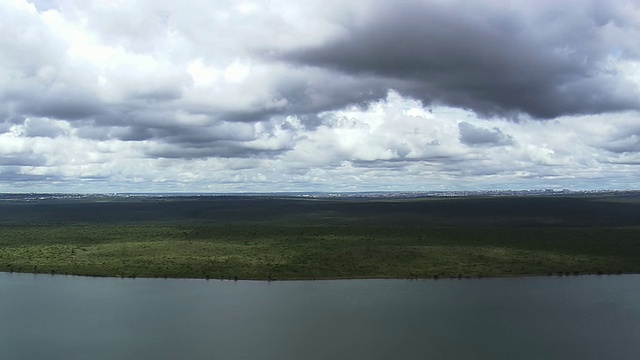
263	280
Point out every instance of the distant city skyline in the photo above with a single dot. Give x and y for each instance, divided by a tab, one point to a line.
334	96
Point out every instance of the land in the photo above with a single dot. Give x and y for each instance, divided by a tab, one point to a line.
280	238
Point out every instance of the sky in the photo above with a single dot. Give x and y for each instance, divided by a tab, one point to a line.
318	95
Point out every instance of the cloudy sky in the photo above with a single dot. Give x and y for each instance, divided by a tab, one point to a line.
323	95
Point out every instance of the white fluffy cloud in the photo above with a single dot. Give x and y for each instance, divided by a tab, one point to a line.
108	96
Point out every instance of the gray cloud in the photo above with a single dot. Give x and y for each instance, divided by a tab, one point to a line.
66	103
204	135
305	94
4	127
16	177
318	93
22	160
629	144
543	59
472	135
37	127
218	149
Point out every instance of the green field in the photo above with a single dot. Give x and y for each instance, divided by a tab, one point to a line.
241	238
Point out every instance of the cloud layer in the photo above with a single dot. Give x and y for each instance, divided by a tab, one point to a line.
318	95
543	59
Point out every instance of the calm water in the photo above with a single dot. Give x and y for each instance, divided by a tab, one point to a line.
59	317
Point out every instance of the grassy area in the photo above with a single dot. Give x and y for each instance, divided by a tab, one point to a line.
271	250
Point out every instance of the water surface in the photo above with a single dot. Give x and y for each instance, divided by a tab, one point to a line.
64	317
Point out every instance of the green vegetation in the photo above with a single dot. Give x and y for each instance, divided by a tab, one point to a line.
253	250
247	237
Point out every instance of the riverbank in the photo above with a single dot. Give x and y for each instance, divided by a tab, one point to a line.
281	252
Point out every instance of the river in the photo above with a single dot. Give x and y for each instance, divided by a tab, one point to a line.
68	317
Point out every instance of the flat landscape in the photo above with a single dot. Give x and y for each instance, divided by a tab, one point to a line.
294	237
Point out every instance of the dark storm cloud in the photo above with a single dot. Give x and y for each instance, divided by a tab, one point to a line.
157	95
223	139
65	104
245	116
219	149
201	136
138	123
131	113
544	59
440	160
4	127
619	140
124	133
36	127
479	136
22	160
9	175
306	97
629	144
